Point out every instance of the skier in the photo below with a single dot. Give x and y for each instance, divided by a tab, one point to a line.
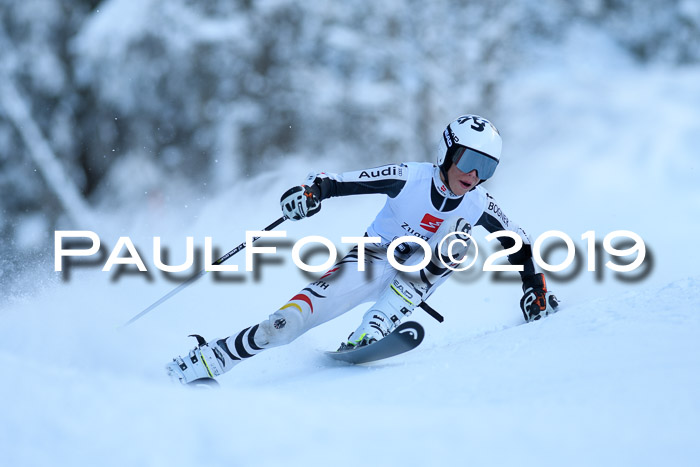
423	200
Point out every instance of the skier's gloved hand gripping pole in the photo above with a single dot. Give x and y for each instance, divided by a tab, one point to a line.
300	201
537	301
194	278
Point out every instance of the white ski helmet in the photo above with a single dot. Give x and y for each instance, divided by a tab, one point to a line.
472	143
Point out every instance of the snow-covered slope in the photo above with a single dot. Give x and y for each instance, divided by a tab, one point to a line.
611	381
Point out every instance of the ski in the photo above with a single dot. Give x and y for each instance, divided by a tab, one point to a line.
404	338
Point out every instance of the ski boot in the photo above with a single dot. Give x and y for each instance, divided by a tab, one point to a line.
204	362
372	329
396	303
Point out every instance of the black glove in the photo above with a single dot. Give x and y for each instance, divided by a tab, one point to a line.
300	202
537	301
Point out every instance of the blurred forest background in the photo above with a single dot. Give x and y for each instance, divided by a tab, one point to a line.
108	105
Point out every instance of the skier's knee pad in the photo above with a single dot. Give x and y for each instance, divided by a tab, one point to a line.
282	327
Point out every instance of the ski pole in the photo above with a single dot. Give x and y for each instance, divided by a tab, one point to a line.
197	276
431	311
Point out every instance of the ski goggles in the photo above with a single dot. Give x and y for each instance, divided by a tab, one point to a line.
467	159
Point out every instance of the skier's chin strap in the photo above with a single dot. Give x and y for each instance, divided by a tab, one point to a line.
439	183
444	179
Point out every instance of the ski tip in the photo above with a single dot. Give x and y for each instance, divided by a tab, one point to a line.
411	330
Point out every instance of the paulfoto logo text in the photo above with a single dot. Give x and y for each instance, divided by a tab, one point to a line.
446	245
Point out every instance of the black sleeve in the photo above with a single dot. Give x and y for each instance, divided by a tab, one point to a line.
494	220
387	179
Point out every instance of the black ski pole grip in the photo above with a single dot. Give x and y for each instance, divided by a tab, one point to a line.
432	312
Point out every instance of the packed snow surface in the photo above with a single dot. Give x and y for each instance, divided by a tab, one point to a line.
611	381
